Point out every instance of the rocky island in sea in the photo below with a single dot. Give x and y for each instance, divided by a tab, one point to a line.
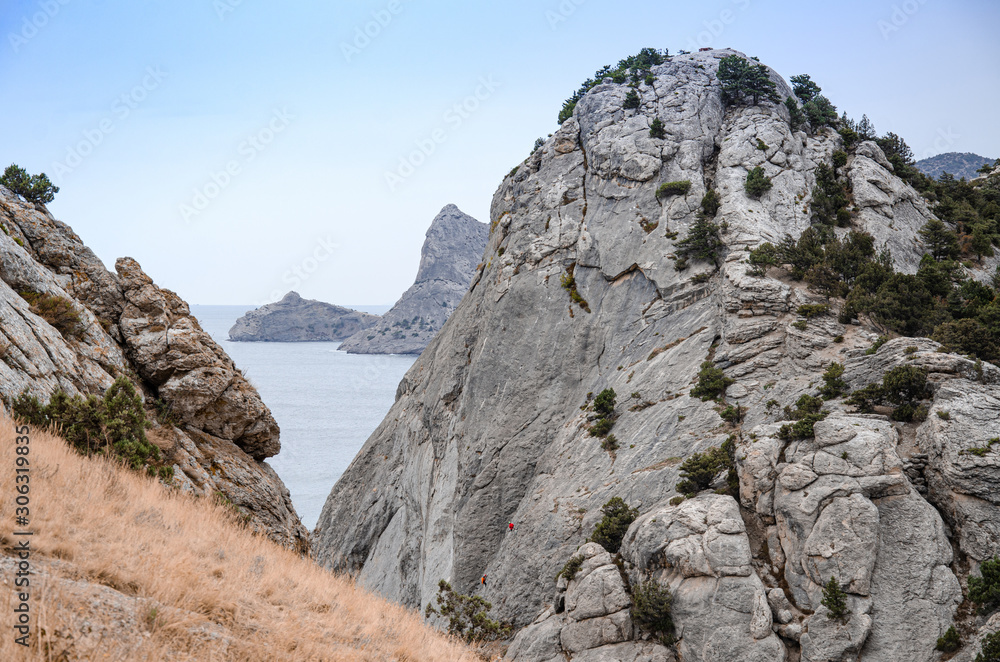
294	319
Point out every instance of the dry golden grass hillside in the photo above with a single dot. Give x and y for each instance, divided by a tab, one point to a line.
126	569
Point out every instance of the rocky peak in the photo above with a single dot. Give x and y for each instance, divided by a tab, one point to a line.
580	291
452	247
451	251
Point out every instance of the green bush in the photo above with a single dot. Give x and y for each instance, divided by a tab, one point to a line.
811	310
604	403
699	470
940	240
701	243
903	386
967	336
757	182
33	188
468	616
712	382
710	203
796	117
631	100
57	311
950	642
604	407
807	412
820	112
113	425
567	110
835	599
839	159
833	384
733	414
610	531
650	610
830	198
656	129
989	650
881	340
601	427
571	568
985	589
610	443
568	282
674	188
761	258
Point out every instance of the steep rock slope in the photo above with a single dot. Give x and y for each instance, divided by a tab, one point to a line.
294	319
490	424
130	327
452	248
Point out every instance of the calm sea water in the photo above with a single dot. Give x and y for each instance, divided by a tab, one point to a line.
327	402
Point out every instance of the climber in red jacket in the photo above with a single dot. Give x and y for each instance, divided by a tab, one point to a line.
510	527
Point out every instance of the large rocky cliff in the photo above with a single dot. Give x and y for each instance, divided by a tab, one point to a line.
452	248
490	424
294	319
222	431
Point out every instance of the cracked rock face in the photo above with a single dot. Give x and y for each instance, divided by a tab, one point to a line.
593	622
700	549
490	425
452	249
129	326
294	319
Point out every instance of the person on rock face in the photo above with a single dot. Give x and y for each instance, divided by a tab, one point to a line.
483	581
510	527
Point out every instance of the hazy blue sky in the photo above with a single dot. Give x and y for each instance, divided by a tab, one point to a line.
136	109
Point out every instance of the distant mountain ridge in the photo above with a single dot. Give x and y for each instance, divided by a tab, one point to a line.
960	164
294	319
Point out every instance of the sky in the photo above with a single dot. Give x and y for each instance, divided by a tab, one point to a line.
239	149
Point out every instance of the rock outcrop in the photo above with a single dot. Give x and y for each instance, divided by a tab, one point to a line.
452	248
579	292
130	327
294	319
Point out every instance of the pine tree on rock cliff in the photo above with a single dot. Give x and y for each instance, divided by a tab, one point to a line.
33	188
741	79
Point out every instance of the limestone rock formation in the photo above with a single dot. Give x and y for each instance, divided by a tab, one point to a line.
129	326
591	621
452	248
294	319
579	292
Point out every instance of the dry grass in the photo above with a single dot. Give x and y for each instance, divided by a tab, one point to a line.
129	570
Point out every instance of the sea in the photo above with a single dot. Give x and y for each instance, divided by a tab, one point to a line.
327	402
